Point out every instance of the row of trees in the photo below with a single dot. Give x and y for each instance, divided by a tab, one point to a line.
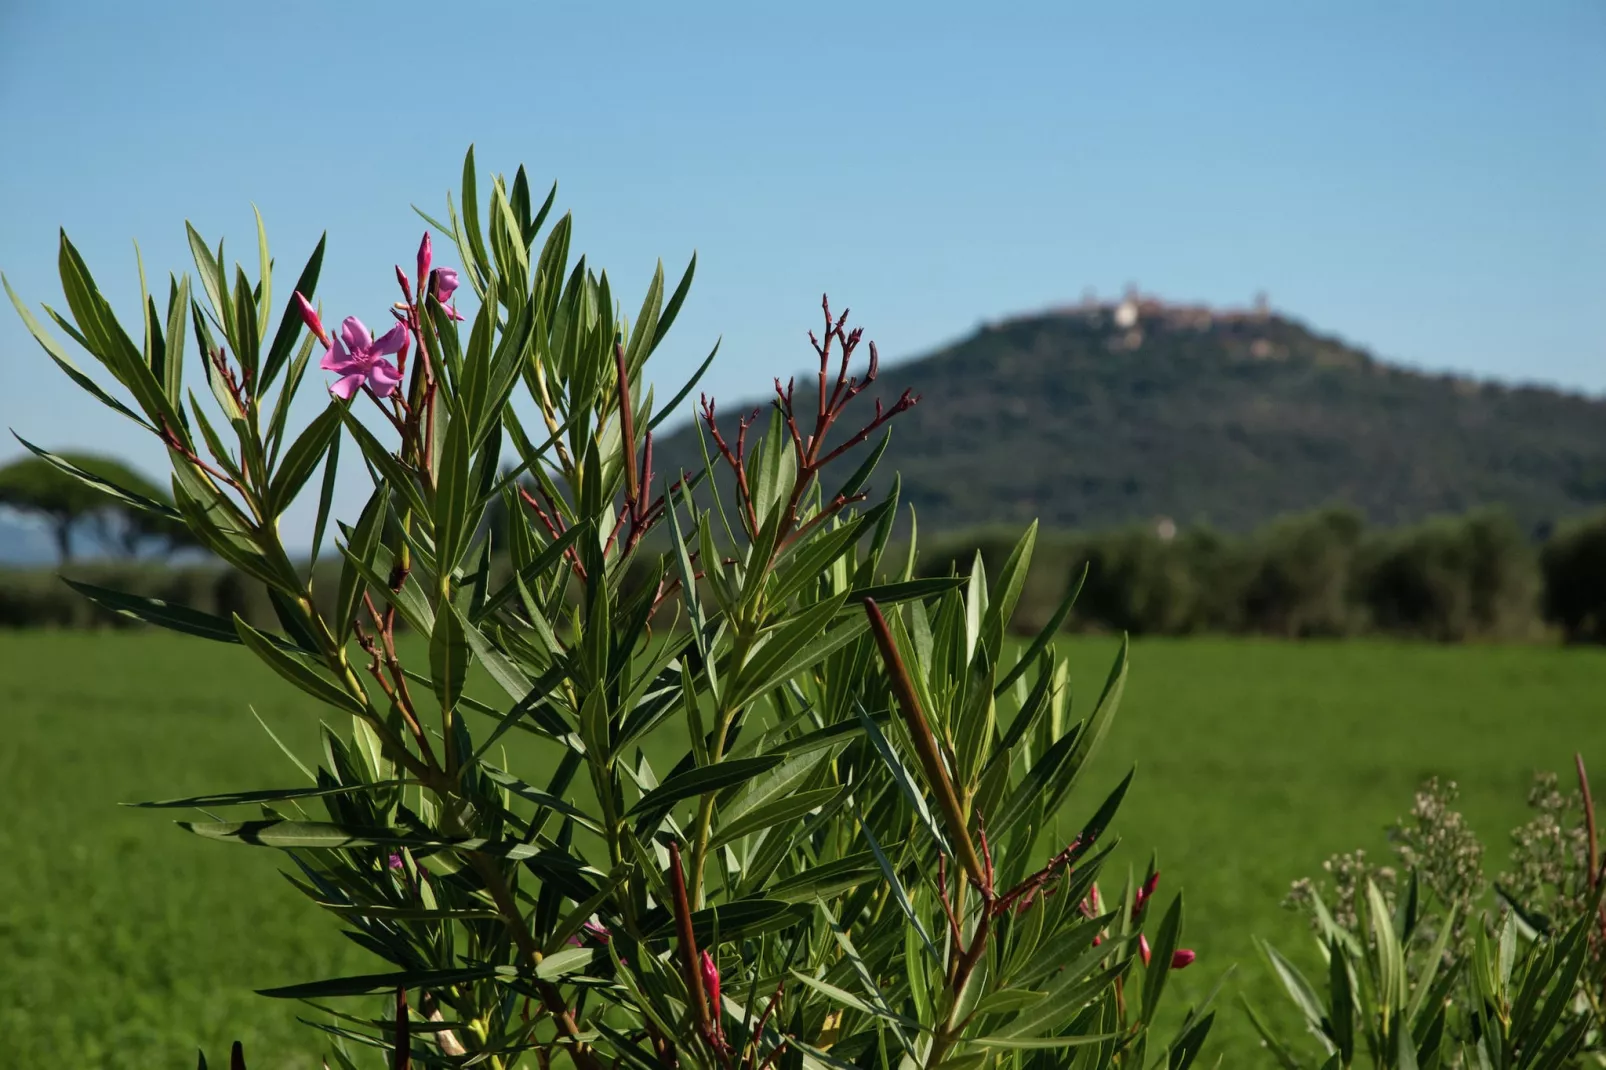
1326	573
1478	576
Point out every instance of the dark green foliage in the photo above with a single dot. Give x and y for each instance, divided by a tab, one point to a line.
1321	574
1230	423
1574	563
1454	579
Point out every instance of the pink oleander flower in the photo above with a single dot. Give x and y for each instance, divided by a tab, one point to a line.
445	284
395	860
597	932
309	316
358	358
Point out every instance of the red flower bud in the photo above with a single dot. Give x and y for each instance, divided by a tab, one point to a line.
711	982
425	256
406	287
309	316
1182	958
1144	893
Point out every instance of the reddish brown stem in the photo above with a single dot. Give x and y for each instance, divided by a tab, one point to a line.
173	442
1594	844
925	744
627	427
689	959
1589	821
555	529
404	1040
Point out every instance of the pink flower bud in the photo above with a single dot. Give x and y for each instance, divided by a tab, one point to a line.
425	255
1182	959
406	287
309	316
711	982
1143	949
1144	893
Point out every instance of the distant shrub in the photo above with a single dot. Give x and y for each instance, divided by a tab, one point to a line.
1137	582
1574	567
1304	576
1302	585
1454	579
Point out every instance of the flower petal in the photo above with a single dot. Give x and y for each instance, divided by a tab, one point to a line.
383	378
356	335
346	386
445	284
392	342
336	359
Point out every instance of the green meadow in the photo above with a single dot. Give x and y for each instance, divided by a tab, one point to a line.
128	944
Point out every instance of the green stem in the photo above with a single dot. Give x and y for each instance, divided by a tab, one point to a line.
582	1054
725	718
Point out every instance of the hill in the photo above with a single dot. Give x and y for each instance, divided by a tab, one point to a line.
1105	414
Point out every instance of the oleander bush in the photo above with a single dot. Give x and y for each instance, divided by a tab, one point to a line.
871	843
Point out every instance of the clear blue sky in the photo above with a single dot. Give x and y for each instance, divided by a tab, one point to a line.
1425	179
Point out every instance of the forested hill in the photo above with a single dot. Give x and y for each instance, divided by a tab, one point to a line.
1102	415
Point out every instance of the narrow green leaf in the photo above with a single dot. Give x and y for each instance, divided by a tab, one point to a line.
777	812
105	486
672	309
1044	637
668	410
296	671
290	325
1030	1043
155	611
264	277
452	491
387	983
701	781
251	798
1159	968
65	363
448	656
177	322
360	546
303	457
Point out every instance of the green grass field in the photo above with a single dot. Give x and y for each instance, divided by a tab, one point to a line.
127	943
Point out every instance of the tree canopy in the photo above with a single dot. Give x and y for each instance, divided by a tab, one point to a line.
33	485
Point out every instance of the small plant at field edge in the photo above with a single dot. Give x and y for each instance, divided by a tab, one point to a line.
781	803
1428	977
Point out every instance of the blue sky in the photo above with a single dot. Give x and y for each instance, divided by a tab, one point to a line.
1424	179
